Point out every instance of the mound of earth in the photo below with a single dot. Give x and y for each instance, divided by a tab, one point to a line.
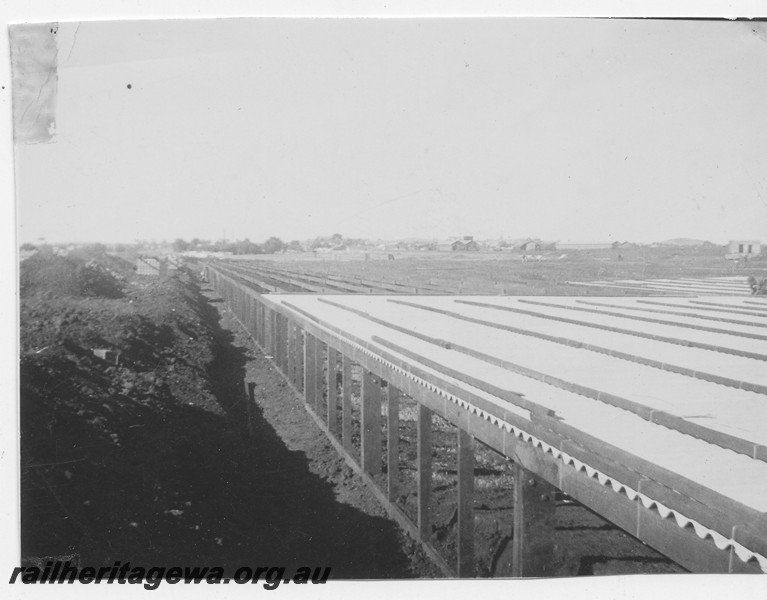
134	445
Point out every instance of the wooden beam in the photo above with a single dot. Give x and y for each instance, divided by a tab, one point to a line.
346	404
260	324
249	321
277	354
283	322
267	317
263	327
247	318
287	328
465	468
273	334
257	325
310	372
392	442
319	375
284	344
299	348
291	374
332	415
298	357
533	550
371	423
424	471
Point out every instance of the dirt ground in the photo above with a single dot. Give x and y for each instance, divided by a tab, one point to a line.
141	454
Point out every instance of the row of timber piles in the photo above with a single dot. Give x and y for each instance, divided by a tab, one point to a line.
323	372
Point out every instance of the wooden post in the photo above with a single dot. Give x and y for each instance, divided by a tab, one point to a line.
424	471
310	371
262	325
259	325
297	352
267	330
272	333
332	391
291	350
299	348
284	333
254	317
274	351
533	551
346	404
465	468
371	423
392	442
280	345
277	354
248	319
319	378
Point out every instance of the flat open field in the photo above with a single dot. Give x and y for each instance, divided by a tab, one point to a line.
493	273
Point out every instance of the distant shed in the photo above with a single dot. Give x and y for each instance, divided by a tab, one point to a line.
745	247
467	243
461	246
529	245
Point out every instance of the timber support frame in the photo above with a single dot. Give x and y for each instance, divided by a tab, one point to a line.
313	358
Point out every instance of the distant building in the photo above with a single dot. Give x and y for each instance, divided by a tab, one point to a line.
745	247
466	243
528	245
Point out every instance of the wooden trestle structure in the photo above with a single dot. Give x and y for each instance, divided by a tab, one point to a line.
652	415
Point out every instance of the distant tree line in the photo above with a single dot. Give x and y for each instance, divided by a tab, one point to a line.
272	245
334	241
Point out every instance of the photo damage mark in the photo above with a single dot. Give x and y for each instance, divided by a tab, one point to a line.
34	57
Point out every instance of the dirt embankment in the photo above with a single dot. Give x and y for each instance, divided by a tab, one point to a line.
133	445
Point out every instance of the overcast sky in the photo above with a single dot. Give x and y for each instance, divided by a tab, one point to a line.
565	129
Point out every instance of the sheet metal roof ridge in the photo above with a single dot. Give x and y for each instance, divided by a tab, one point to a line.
702	531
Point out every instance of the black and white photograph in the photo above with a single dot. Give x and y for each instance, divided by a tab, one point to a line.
307	299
